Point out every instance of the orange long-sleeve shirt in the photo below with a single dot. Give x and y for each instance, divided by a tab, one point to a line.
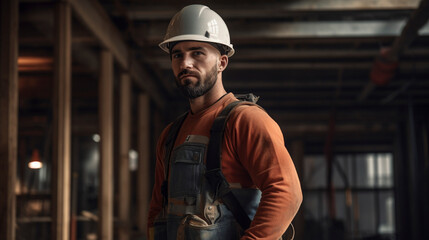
253	155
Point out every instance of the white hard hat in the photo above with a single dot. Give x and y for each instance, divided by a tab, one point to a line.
197	23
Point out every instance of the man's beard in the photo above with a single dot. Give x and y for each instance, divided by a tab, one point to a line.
201	87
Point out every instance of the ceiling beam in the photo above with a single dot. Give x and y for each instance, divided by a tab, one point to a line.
356	65
353	115
245	32
316	53
322	128
303	103
229	10
99	23
322	65
278	54
96	19
288	83
409	33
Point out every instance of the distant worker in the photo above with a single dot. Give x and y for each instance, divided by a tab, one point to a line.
250	188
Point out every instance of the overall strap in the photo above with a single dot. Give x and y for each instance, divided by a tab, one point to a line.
169	141
214	174
168	146
214	150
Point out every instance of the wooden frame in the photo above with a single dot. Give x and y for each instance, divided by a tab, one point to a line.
143	172
124	167
8	116
96	19
105	196
61	160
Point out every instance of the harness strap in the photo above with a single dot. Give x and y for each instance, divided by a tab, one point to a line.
214	174
168	146
214	150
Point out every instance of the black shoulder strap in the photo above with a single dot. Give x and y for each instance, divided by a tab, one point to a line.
218	127
168	146
214	173
170	139
214	150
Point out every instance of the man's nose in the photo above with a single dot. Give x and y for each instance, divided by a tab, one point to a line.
187	62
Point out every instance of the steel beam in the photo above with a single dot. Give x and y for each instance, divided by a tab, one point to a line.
246	32
272	9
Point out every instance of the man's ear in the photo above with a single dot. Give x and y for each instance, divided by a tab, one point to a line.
223	62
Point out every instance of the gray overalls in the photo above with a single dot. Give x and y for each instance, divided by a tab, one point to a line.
192	210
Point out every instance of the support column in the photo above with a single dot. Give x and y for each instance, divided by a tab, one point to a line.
297	153
105	196
8	115
61	161
124	147
143	188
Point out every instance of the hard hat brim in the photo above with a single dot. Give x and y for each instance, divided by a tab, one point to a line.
192	37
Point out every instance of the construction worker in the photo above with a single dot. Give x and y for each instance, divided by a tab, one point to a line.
253	160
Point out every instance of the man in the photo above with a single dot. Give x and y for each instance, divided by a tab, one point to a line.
254	159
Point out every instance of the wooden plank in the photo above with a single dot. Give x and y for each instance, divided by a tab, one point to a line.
8	115
98	22
61	161
124	147
143	172
105	197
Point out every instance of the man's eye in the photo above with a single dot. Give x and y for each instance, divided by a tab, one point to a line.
177	55
197	53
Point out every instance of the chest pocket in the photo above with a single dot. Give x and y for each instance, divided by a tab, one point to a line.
187	166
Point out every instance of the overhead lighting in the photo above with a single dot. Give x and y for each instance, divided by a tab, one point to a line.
133	157
96	137
35	162
35	63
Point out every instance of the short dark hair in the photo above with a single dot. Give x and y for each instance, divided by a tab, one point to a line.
221	48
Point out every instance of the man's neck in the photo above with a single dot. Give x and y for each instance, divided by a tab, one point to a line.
205	101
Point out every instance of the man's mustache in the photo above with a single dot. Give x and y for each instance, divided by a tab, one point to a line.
185	72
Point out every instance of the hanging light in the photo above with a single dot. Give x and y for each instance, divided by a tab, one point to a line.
133	157
35	162
96	137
